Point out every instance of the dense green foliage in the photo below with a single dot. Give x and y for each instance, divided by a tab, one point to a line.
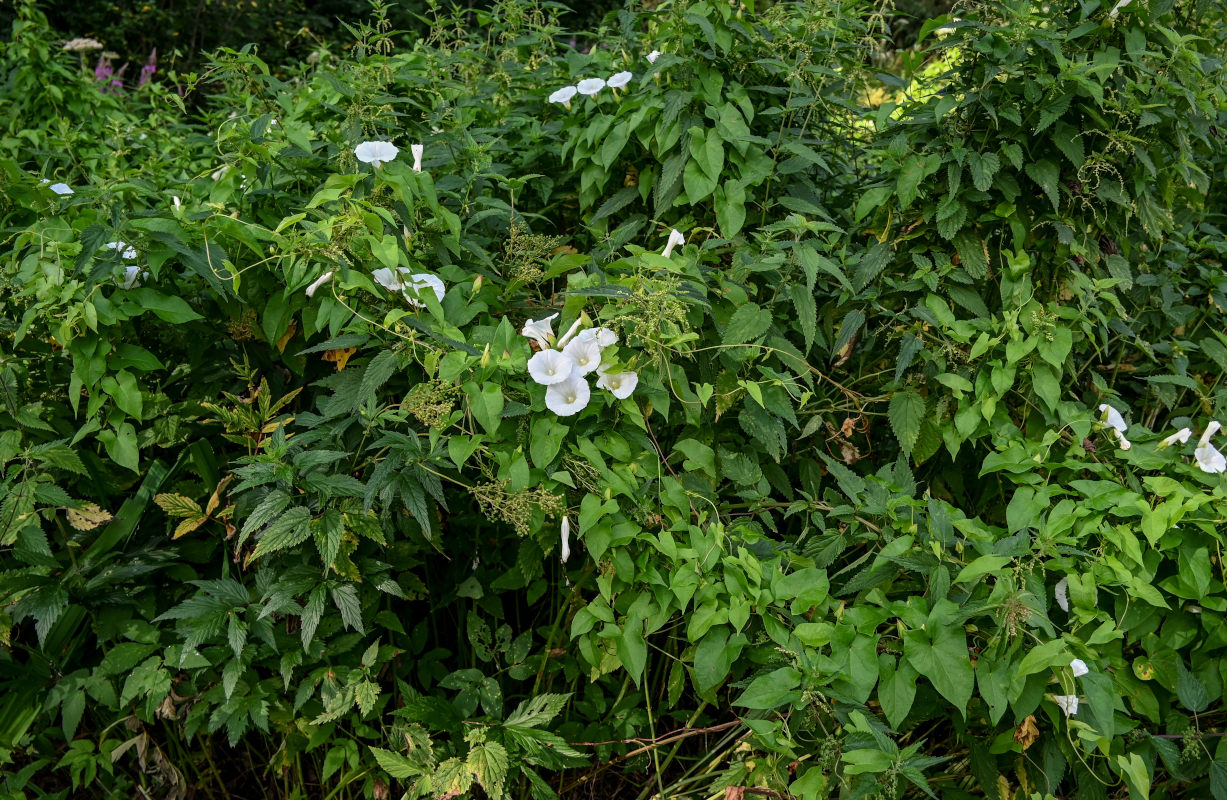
862	529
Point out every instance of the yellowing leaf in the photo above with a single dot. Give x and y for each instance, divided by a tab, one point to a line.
178	506
88	517
340	357
188	525
286	337
215	499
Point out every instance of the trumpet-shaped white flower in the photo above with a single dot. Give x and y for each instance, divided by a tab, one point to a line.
1116	422
619	80
320	281
569	396
1179	437
1116	8
602	336
550	367
1061	593
585	354
125	250
1067	702
652	56
417	150
566	337
565	532
60	188
540	330
675	238
564	95
620	384
220	172
178	203
1079	667
131	276
590	86
410	285
376	153
1207	455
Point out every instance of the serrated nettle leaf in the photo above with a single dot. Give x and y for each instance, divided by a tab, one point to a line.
907	412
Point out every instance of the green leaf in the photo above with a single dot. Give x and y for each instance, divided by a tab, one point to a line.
731	209
698	185
377	372
747	324
981	566
972	253
851	323
396	765
346	598
545	440
486	404
620	200
943	659
896	689
807	312
1069	141
983	168
1218	779
907	411
121	447
1191	691
489	763
806	588
771	690
870	200
632	649
167	308
1046	174
537	710
912	173
288	530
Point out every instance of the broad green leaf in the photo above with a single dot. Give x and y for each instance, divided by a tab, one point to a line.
941	656
771	690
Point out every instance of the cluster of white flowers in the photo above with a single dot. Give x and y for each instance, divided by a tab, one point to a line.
562	367
402	280
1206	455
590	86
376	153
1069	702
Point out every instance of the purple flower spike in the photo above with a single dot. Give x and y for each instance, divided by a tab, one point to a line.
151	66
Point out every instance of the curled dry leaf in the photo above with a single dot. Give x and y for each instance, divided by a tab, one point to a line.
1026	733
88	517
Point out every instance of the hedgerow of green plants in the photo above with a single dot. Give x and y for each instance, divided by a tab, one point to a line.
898	477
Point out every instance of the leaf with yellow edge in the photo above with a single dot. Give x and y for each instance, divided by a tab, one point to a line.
177	505
88	517
188	525
215	499
286	337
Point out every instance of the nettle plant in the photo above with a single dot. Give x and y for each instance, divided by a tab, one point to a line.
427	421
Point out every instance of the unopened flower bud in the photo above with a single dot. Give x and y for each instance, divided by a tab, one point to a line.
485	357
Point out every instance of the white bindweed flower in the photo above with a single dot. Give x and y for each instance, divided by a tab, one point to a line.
566	337
1114	420
540	330
410	285
620	384
565	532
585	354
568	397
1079	667
652	56
375	153
178	203
320	281
675	238
1207	455
1179	437
619	80
1067	702
220	172
1061	593
564	95
125	250
131	276
417	150
60	188
1116	8
550	367
590	86
602	336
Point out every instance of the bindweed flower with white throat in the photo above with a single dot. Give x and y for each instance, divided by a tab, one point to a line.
620	384
604	337
550	367
652	56
1179	437
1114	420
1079	667
320	281
590	86
675	238
417	150
565	533
586	355
131	276
619	80
564	95
1067	703
410	285
376	153
1207	455
569	396
540	330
